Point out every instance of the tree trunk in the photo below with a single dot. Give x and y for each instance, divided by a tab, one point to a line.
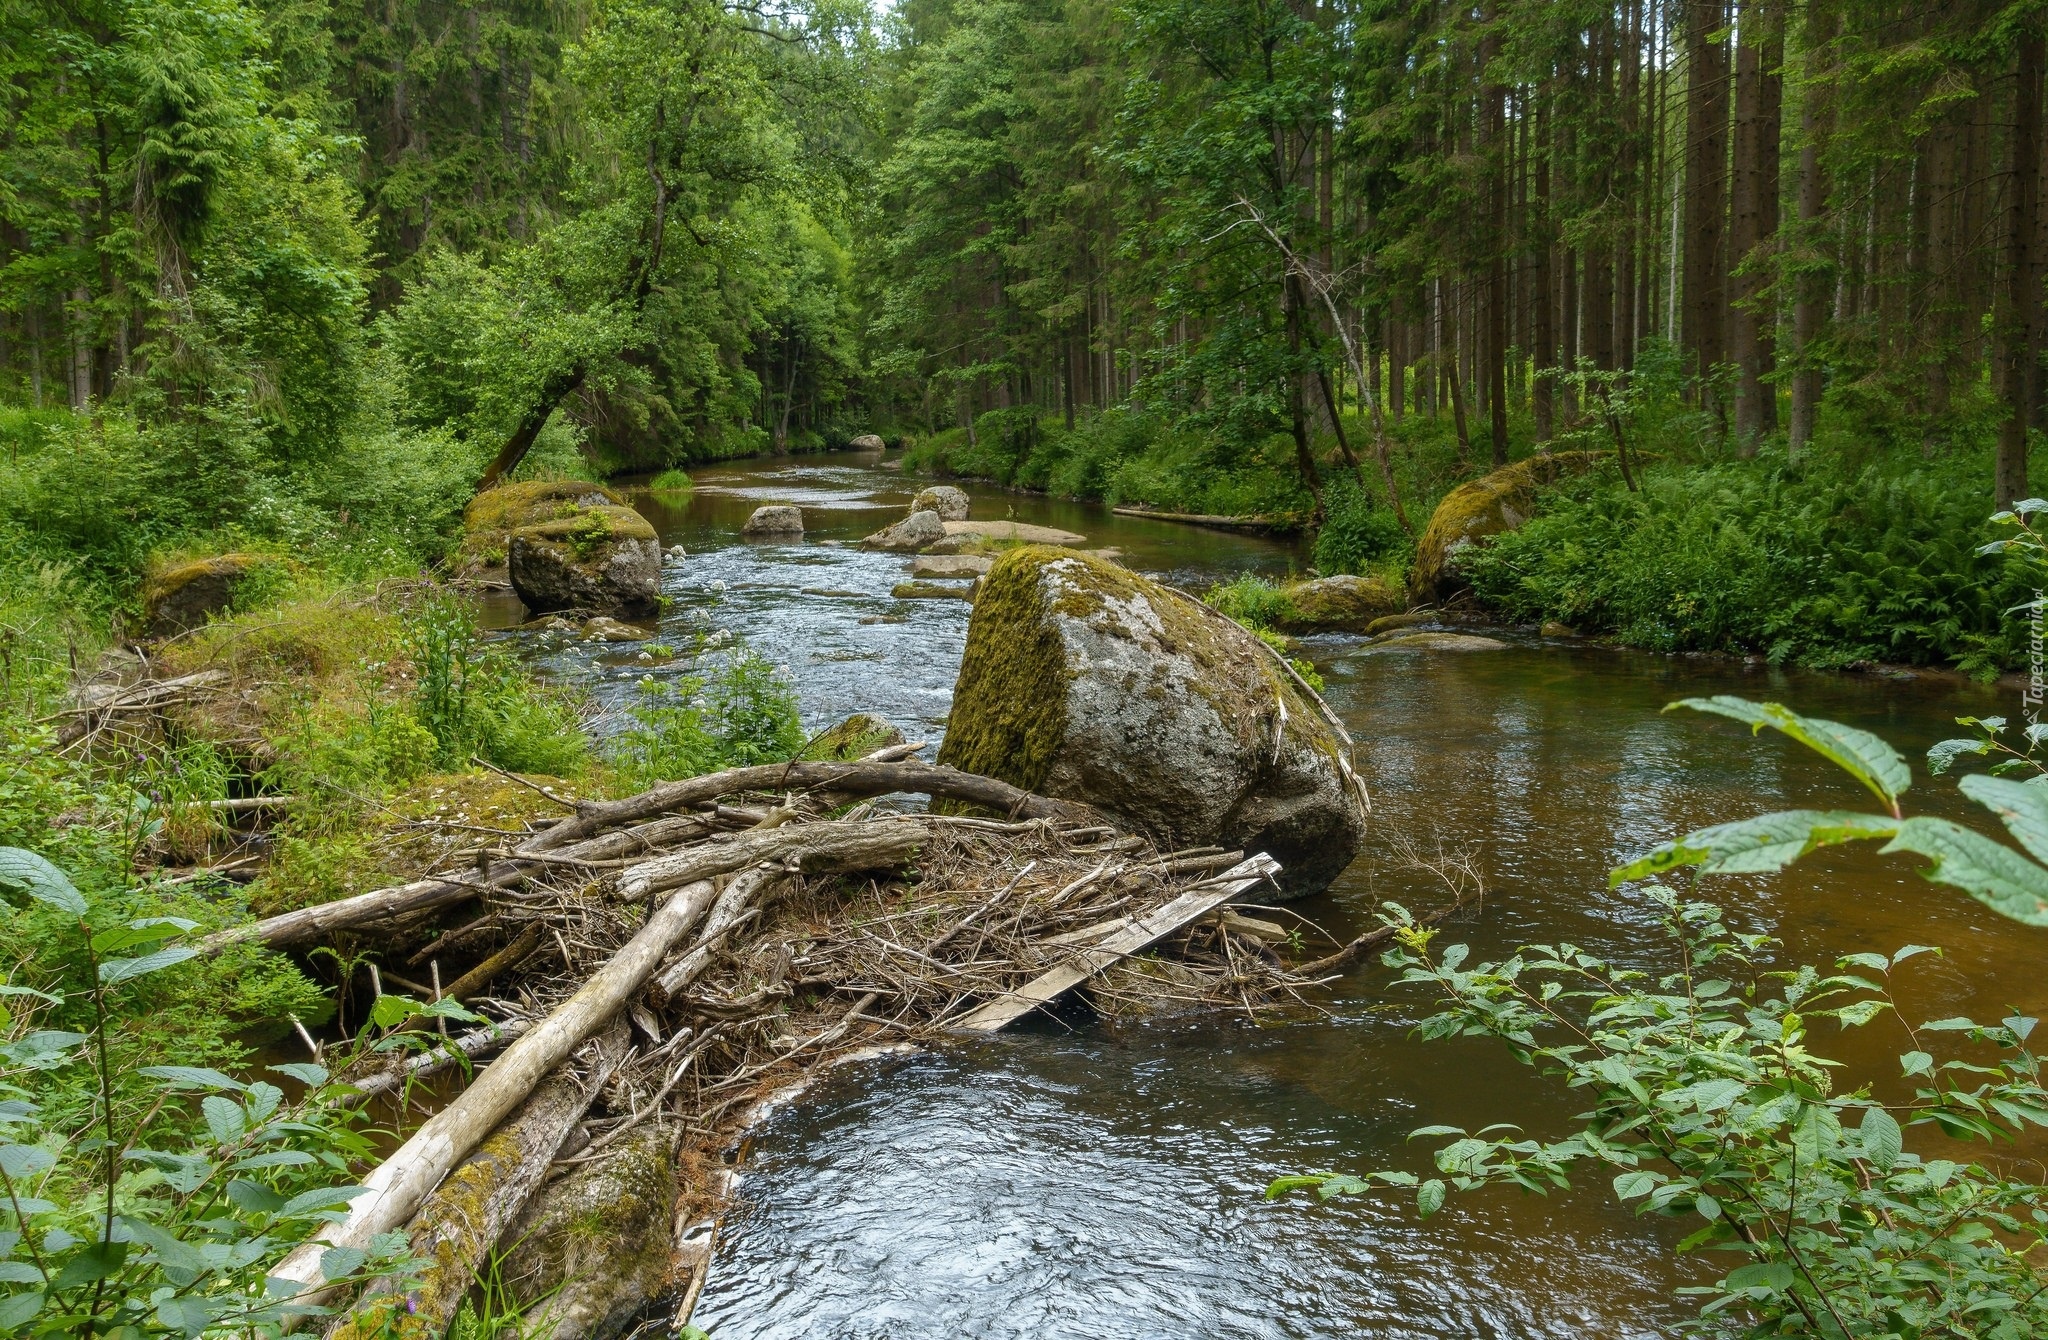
2020	320
1495	353
1542	395
1811	286
1706	187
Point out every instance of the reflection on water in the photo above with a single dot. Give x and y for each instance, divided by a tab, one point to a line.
1105	1183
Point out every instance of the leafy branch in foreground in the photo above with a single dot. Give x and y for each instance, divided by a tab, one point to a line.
1708	1099
103	1234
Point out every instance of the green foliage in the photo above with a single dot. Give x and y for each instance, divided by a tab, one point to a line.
155	1205
1708	1098
1258	603
671	481
476	701
1358	532
738	712
1817	563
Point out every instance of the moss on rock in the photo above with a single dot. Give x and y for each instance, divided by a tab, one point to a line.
185	596
859	734
492	516
1341	603
1087	681
598	1241
1482	507
596	558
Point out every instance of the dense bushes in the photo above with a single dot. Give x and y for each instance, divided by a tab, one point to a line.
1821	563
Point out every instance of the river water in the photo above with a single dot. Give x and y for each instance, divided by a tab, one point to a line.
1105	1181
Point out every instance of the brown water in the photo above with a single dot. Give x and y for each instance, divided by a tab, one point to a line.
1105	1181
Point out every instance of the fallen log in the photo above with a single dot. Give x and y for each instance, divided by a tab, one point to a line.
813	849
469	1046
467	1214
395	1188
422	895
859	778
483	974
1185	910
746	892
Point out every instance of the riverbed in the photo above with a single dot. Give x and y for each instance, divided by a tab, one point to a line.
1106	1181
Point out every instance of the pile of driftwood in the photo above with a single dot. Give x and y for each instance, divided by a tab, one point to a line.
663	962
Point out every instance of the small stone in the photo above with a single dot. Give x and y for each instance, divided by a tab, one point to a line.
933	591
1552	628
910	534
775	519
604	628
950	503
676	553
884	618
951	565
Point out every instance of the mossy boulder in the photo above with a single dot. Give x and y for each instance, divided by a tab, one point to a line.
855	737
867	442
492	516
1438	642
1484	507
1089	682
601	1237
1339	604
185	596
950	503
597	558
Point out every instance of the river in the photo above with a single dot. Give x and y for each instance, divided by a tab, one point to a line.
1105	1181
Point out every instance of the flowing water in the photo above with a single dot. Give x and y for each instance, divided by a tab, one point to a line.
1106	1181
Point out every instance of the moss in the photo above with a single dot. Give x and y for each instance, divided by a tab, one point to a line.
494	514
1338	602
185	595
1009	710
587	528
1493	503
857	735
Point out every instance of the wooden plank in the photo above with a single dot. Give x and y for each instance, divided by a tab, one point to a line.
1183	911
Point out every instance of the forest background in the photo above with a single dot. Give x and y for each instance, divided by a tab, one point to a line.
290	274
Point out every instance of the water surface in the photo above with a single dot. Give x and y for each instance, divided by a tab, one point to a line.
1105	1181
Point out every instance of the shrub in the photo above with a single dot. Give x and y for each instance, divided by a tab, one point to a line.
1358	533
742	712
672	481
1257	603
476	700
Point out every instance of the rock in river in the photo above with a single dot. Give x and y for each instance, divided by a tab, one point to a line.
1341	603
951	565
1481	508
909	535
604	628
601	1237
1086	681
775	519
1438	642
600	558
867	442
950	503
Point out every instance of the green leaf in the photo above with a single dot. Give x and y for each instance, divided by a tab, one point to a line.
1775	1276
19	1161
1995	875
19	1309
148	930
223	1118
1429	1197
90	1261
1857	752
172	1252
391	1011
194	1076
254	1197
1635	1183
1882	1140
19	1272
127	969
2022	806
190	1315
1765	843
319	1198
305	1072
341	1262
42	881
1941	757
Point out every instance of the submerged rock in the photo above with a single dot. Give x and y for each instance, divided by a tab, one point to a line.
1484	507
932	591
951	565
604	628
1086	681
185	596
1553	628
950	503
1015	532
601	1237
1439	642
909	535
1393	622
601	558
775	519
1341	603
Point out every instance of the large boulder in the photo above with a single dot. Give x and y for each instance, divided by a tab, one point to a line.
1339	604
183	597
867	442
775	519
950	503
1086	681
491	516
1484	507
914	532
595	1245
600	558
